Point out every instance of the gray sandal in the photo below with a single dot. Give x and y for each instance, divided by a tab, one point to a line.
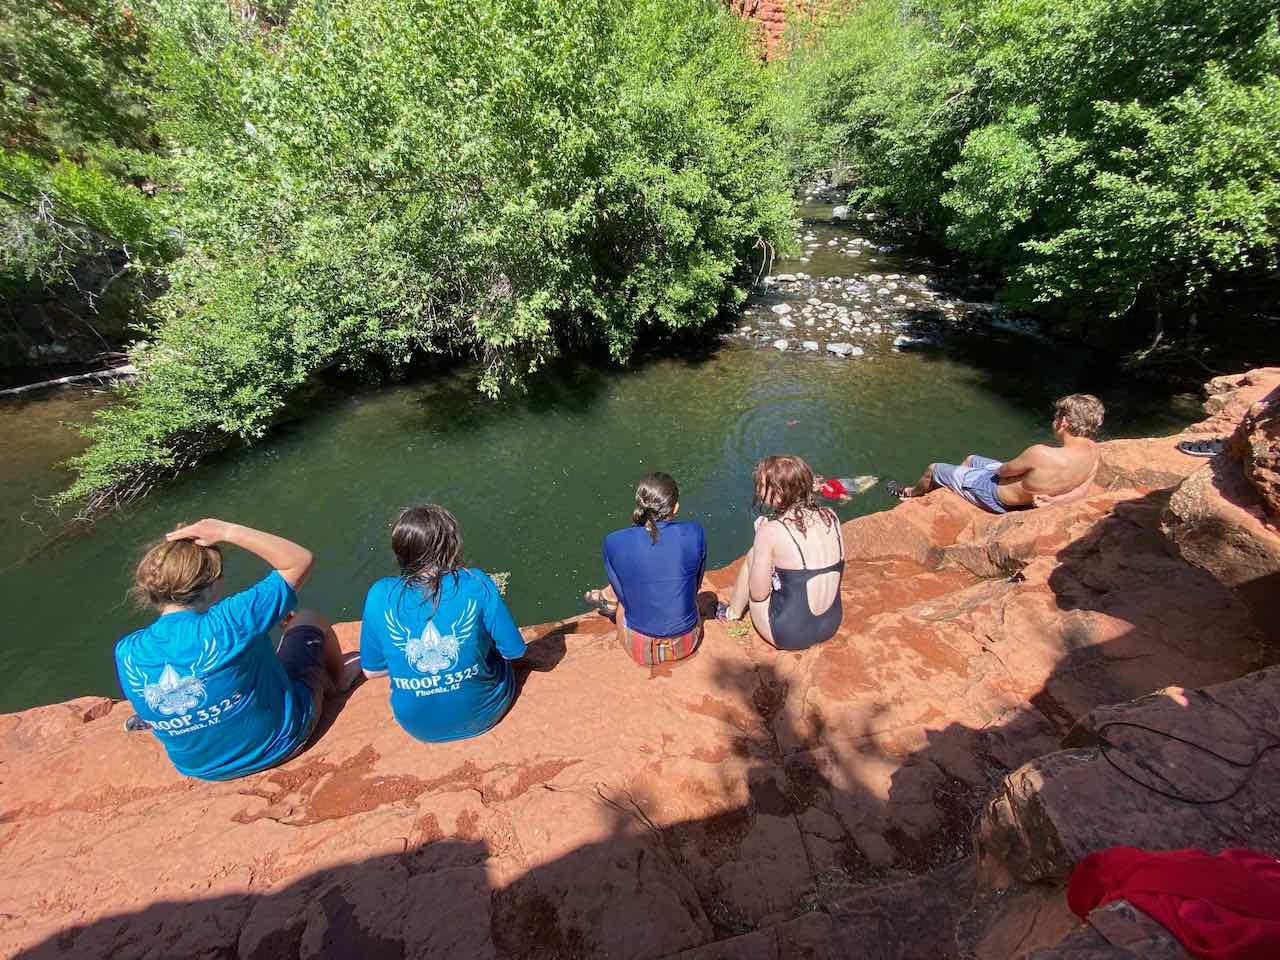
1201	448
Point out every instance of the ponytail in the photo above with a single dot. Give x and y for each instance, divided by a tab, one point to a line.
645	517
656	498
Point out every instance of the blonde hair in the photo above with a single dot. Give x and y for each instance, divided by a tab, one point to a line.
176	571
1083	413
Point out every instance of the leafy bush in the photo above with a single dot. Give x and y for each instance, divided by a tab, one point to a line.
72	125
367	181
1114	161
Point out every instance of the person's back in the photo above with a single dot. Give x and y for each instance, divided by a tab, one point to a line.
212	687
808	564
790	581
204	677
1039	476
657	581
1051	473
450	677
442	633
655	570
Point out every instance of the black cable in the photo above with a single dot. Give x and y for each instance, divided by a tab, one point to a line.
1250	765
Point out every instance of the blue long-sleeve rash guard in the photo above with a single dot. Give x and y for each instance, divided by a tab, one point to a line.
657	583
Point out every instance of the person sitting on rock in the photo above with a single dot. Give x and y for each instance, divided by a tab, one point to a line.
790	581
442	632
1039	476
204	676
655	569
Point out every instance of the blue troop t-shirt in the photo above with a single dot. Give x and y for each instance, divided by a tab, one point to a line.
657	583
212	688
447	659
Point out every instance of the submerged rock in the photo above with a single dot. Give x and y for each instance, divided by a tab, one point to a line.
781	309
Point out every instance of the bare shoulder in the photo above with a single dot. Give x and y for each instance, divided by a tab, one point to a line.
772	534
1040	453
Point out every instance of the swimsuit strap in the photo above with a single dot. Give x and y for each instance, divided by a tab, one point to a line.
796	542
835	520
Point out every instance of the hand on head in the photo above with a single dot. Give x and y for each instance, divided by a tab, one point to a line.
206	533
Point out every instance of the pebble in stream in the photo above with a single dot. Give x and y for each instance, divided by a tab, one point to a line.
912	303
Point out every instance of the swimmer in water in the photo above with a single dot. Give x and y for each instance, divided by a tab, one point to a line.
843	489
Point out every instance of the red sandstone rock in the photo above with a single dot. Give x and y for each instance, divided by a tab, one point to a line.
635	812
1052	812
770	16
1218	522
1255	446
1115	931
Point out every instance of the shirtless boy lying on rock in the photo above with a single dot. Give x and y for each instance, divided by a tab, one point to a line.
1039	476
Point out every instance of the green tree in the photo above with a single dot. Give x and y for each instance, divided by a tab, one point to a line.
370	181
1113	161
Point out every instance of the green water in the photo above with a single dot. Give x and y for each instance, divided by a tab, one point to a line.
535	483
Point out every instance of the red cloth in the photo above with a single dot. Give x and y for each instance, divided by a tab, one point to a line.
834	490
1225	907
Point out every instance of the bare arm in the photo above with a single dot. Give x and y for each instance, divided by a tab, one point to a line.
760	584
289	560
1022	464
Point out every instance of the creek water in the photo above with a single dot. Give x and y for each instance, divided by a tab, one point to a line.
537	481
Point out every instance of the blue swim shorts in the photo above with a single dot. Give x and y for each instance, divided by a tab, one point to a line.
976	482
301	652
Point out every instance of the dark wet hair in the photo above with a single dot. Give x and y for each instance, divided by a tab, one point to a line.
427	545
656	499
784	484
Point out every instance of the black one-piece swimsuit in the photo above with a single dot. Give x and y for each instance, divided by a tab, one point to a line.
794	625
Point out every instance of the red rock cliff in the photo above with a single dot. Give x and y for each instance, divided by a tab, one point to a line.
771	15
745	803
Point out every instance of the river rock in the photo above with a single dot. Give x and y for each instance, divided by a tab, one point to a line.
781	309
844	349
810	345
780	344
785	278
814	302
840	213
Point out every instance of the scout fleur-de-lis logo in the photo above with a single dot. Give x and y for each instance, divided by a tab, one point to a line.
433	651
171	693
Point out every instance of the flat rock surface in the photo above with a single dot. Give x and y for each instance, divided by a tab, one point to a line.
744	803
1054	811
